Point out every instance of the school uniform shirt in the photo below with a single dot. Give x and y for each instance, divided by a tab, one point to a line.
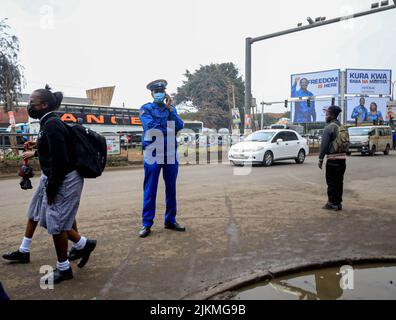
54	150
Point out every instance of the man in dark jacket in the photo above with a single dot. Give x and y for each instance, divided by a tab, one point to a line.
336	162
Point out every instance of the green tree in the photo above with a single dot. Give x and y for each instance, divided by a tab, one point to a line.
11	77
212	89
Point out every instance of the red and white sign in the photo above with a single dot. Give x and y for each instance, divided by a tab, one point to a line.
11	118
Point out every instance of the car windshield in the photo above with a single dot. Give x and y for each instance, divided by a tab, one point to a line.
359	131
260	136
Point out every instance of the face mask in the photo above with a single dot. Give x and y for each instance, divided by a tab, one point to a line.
159	97
35	114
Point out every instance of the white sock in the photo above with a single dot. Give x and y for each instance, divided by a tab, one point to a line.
80	244
25	245
62	266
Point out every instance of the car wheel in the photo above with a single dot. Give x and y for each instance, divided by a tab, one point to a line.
373	151
387	150
268	159
301	157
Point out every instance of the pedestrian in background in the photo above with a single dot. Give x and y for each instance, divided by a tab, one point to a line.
334	145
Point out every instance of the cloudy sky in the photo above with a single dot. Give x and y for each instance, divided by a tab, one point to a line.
74	45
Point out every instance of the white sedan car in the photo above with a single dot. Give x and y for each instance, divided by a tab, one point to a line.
266	146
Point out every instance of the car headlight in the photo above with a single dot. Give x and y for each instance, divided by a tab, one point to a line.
255	149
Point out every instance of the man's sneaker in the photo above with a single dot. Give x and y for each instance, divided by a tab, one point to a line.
330	206
175	226
144	232
17	256
60	276
86	252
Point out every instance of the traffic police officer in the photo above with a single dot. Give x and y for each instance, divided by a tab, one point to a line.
160	126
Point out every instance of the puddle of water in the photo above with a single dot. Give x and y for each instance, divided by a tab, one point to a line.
374	282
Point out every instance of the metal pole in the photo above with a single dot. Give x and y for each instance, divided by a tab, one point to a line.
343	105
262	115
248	78
250	41
323	23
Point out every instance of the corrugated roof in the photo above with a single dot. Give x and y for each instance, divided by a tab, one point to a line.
25	98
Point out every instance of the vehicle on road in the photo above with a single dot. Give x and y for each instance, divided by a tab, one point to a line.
295	127
370	139
267	146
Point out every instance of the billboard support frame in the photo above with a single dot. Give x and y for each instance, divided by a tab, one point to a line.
249	42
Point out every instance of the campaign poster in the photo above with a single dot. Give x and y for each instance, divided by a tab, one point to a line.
315	84
113	144
236	116
318	113
366	109
368	82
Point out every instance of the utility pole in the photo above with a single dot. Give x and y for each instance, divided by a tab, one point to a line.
319	22
262	115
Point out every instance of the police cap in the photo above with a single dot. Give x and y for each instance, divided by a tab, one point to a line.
157	85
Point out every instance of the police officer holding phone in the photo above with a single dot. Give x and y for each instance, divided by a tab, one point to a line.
160	123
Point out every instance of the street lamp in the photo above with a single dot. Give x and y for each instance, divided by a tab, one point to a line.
312	24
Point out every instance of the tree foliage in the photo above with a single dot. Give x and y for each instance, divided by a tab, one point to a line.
210	88
11	76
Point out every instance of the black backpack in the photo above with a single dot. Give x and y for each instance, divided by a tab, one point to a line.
90	151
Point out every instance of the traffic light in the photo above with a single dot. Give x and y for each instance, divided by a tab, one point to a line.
333	101
286	103
309	103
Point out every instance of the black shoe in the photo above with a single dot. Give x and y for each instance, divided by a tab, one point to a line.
86	252
74	254
340	207
17	256
60	276
175	227
330	206
144	232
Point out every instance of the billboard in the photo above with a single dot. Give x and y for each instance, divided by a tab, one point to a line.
365	109
315	114
236	116
368	82
315	84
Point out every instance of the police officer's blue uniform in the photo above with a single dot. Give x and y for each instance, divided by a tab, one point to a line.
155	116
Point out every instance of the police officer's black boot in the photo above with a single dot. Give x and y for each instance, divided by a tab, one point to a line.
144	232
175	226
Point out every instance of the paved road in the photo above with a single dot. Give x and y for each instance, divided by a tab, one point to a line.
237	224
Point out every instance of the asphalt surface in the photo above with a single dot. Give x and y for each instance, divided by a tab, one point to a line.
236	225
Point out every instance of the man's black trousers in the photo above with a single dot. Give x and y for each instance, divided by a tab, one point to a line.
335	170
